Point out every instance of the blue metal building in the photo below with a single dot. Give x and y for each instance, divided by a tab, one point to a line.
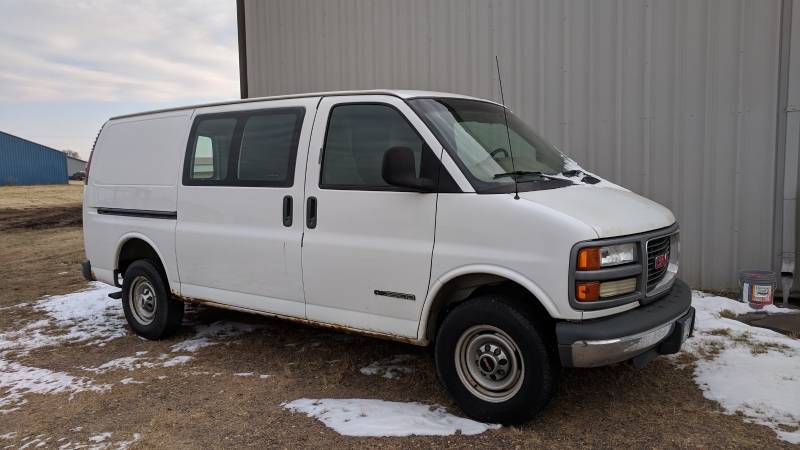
26	162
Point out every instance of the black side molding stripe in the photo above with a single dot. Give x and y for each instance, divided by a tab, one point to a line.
398	295
139	213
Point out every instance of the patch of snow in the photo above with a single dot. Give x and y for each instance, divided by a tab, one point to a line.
389	367
100	437
83	316
123	445
130	381
177	361
17	380
124	363
243	374
207	333
133	363
264	376
8	436
37	441
747	369
367	417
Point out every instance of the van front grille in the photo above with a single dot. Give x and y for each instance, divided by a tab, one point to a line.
655	248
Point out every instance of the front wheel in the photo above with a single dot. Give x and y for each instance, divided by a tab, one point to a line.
149	309
492	357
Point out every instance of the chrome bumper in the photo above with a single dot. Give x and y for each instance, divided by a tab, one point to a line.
641	334
610	351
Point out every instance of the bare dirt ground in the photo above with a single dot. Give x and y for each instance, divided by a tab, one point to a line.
204	404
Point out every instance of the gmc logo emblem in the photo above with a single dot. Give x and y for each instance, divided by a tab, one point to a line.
661	261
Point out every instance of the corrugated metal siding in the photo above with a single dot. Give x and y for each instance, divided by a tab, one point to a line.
25	162
792	161
75	165
675	100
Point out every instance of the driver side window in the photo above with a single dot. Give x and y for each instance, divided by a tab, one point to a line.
358	135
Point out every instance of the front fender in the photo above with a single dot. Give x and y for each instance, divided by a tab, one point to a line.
481	269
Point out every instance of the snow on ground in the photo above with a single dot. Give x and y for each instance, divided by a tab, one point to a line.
17	380
751	370
85	317
101	441
389	367
100	437
367	417
217	330
135	362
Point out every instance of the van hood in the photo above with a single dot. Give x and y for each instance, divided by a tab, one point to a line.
607	208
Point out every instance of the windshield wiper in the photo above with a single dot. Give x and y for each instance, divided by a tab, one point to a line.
524	173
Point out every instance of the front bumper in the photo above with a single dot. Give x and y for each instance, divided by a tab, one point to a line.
641	334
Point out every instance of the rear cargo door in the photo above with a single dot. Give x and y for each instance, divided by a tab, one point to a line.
239	206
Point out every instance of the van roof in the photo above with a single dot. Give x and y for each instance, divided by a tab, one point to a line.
404	94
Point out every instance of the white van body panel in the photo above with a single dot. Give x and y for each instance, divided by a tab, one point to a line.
609	211
496	231
134	167
367	241
231	242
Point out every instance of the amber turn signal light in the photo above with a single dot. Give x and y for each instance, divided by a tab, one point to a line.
587	292
589	258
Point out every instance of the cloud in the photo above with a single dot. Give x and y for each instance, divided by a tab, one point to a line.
116	50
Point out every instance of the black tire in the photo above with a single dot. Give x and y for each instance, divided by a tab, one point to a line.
166	314
536	376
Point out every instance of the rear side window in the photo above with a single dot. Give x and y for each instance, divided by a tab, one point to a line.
267	148
212	144
249	148
358	135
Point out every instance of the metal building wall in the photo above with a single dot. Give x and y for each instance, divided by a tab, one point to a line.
674	99
791	157
26	162
75	165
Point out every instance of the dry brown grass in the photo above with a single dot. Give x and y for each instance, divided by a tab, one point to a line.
41	196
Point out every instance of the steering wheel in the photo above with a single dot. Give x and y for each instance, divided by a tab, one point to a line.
497	151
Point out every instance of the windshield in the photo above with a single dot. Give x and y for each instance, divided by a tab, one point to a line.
474	133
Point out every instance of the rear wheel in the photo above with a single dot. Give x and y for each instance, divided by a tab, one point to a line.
149	309
492	356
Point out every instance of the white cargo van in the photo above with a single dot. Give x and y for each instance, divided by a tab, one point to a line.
414	216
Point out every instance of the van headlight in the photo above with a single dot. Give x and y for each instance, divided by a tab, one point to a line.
593	258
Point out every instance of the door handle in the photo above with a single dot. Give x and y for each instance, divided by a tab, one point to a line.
287	211
311	212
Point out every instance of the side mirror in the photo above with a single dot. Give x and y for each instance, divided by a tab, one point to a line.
400	169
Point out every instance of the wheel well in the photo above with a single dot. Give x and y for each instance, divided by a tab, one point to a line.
135	249
468	286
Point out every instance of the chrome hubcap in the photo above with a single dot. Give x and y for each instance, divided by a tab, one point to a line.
142	300
489	363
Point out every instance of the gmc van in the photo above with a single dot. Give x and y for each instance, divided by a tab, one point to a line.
423	217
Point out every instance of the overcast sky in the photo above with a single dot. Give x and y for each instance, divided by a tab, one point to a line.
67	66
